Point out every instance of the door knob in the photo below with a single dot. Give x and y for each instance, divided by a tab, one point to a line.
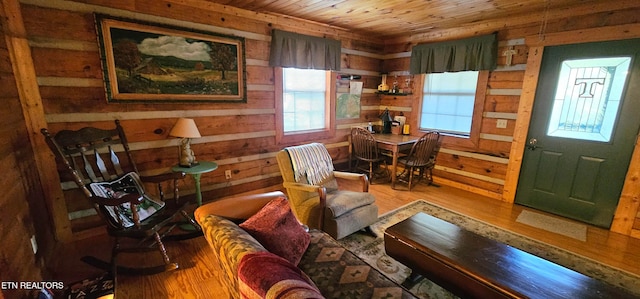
533	144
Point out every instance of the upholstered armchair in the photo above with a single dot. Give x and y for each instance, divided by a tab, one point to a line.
310	180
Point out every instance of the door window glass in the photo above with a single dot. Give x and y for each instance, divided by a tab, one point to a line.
587	99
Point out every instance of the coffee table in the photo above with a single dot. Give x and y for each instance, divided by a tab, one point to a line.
473	266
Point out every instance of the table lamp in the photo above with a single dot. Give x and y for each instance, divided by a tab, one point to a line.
186	129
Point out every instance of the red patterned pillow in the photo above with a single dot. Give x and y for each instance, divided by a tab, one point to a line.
266	275
278	230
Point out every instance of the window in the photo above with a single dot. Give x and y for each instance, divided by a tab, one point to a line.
453	103
588	98
447	102
303	98
304	104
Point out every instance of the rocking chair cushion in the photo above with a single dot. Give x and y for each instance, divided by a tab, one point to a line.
278	230
121	215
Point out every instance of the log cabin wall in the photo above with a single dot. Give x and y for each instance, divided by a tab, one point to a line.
238	136
22	201
484	168
241	136
480	168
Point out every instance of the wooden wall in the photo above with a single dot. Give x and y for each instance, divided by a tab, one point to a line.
50	76
478	166
23	212
488	167
238	136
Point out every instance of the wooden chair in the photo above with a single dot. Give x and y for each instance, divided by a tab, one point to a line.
421	158
114	187
318	202
365	149
428	172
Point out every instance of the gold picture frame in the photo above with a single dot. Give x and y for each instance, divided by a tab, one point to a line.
150	62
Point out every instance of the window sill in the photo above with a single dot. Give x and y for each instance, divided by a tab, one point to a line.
304	136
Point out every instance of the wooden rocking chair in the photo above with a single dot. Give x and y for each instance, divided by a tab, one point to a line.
116	191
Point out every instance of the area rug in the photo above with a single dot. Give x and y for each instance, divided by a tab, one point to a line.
371	250
552	224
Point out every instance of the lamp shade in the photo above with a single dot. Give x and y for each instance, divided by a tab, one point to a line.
185	128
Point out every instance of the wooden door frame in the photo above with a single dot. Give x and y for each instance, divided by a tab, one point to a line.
630	199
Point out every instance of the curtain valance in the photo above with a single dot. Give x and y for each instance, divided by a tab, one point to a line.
471	54
290	49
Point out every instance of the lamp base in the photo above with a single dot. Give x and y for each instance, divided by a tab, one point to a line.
189	165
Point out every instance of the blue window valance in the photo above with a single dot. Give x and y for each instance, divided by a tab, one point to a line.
290	49
471	54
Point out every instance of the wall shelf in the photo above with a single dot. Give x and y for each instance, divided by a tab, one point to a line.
386	93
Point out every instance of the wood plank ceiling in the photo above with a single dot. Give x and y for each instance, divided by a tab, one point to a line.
388	18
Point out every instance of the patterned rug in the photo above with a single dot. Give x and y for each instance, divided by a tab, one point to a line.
371	250
340	274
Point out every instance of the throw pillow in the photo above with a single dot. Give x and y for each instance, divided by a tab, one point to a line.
122	215
278	230
265	275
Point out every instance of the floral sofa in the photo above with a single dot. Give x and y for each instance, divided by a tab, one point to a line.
262	251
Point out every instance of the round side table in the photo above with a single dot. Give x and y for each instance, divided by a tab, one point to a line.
196	171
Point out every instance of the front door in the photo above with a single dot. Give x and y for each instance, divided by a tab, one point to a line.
584	124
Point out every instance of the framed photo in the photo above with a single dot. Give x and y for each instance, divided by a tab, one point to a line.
150	62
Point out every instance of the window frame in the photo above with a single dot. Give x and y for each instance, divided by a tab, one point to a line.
471	141
328	131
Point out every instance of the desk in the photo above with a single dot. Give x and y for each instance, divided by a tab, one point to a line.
196	172
394	144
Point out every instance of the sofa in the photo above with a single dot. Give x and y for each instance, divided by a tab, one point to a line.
262	251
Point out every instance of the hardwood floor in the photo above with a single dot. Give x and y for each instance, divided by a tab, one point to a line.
195	280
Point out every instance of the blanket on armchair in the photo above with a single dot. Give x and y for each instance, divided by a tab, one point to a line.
313	161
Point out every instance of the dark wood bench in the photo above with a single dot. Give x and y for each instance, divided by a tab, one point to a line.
473	266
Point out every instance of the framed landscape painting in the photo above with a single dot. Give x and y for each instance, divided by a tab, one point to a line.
149	62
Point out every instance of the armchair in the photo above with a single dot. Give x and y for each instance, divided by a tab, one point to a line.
310	180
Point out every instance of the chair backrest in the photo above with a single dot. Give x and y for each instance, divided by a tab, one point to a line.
91	157
422	152
311	164
303	203
363	144
436	150
90	154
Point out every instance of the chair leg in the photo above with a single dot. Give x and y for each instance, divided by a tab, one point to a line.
411	170
114	258
113	266
355	166
162	249
371	172
385	172
370	231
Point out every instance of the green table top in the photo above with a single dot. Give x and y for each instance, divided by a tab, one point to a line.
202	167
